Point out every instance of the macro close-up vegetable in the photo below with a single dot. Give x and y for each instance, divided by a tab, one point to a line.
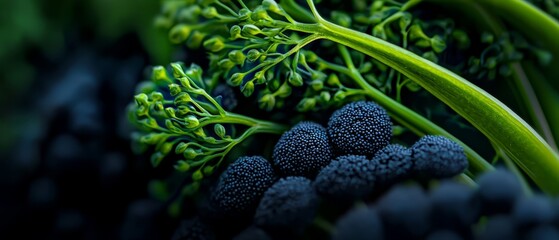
288	119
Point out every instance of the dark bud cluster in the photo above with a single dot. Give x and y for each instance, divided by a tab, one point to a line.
438	157
347	177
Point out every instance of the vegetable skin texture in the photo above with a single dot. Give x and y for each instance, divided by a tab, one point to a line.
303	150
392	163
359	128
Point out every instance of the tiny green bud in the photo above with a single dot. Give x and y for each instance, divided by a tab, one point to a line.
174	89
237	57
398	130
236	79
142	111
317	85
166	148
306	104
179	33
324	96
248	88
272	6
295	79
260	78
158	106
210	12
253	55
182	98
284	91
268	101
197	175
195	40
208	170
156	158
177	70
214	44
156	96
190	153
219	130
226	64
259	13
200	132
183	109
487	38
333	80
191	121
141	99
310	56
339	96
180	148
170	112
378	31
152	138
159	74
244	14
189	14
169	124
251	30
341	18
438	44
490	63
150	122
182	166
235	32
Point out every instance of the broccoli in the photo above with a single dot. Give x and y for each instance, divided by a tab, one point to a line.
303	150
287	207
455	206
360	128
532	211
438	157
361	223
392	163
498	227
498	190
194	229
242	184
346	178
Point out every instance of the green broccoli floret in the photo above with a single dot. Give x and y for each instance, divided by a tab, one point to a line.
360	128
303	150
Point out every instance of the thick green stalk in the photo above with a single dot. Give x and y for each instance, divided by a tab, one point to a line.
489	115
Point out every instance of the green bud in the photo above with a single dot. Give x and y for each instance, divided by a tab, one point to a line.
142	111
183	109
378	31
236	79
248	88
405	21
487	38
244	14
339	96
235	32
169	124
190	153
214	44
156	96
150	122
310	56
438	44
490	63
306	104
189	14
177	70
159	74
210	12
200	132
141	99
324	96
237	57
251	30
333	80
180	148
272	6
166	148
194	72
259	77
341	18
259	13
268	101
398	130
158	106
170	112
295	79
208	170
317	85
219	130
197	175
225	64
284	91
156	158
195	40
182	166
182	99
153	138
253	55
174	89
179	33
461	38
191	121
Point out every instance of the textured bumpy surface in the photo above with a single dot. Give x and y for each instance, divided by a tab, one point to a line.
438	157
360	128
242	184
287	206
347	177
392	163
303	150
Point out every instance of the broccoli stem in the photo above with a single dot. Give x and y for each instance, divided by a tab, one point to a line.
500	124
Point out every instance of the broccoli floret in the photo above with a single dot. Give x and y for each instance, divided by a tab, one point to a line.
346	178
455	206
360	128
532	211
287	207
194	229
242	185
498	227
438	157
361	223
498	190
303	150
392	163
405	212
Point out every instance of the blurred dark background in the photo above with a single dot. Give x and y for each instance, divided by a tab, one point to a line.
67	72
